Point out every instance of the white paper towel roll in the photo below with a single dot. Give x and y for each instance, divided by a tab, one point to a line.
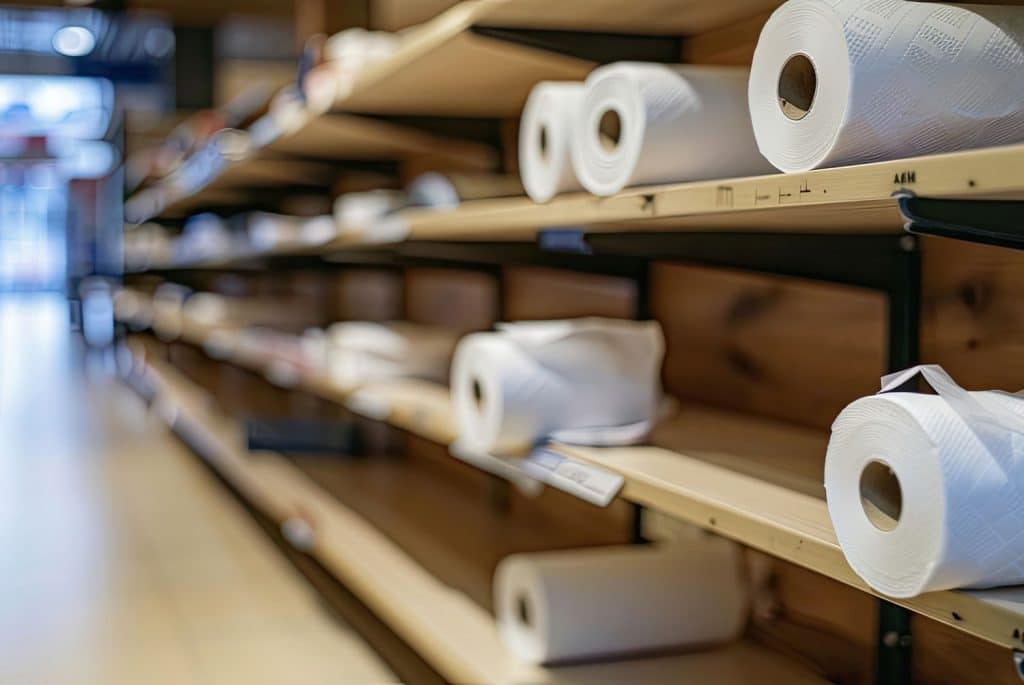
644	123
926	492
550	116
850	81
207	309
589	381
360	212
318	229
268	230
360	352
579	604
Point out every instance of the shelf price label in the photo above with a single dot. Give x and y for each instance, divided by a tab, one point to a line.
588	482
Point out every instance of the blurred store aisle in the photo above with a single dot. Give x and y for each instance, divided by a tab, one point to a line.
121	559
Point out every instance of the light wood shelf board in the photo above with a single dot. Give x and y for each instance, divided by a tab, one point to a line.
854	199
785	523
349	137
656	17
443	68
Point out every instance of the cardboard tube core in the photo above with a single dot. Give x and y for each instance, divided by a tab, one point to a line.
798	82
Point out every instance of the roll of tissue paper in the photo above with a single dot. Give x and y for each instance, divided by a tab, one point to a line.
926	492
359	352
644	123
585	381
838	82
580	604
550	116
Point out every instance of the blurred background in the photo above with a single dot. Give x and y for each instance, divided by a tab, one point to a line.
84	85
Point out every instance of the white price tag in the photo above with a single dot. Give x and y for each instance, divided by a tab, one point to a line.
588	482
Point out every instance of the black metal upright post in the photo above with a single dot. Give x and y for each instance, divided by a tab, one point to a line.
893	664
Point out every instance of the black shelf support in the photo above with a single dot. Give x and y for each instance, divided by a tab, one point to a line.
990	222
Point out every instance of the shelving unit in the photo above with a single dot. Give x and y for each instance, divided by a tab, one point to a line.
454	634
754	480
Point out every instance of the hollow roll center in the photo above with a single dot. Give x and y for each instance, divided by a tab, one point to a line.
543	143
881	495
523	610
478	392
798	82
609	130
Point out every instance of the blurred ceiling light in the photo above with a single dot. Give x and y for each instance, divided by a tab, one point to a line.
74	41
70	106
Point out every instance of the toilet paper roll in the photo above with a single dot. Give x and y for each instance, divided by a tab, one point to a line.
586	381
850	81
926	492
644	123
361	352
550	116
580	604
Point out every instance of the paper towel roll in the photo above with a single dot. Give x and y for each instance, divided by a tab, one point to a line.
360	212
850	81
268	230
579	604
360	352
646	123
551	114
589	381
926	492
204	235
318	229
357	48
207	309
168	301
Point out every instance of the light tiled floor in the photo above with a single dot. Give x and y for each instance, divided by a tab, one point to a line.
121	560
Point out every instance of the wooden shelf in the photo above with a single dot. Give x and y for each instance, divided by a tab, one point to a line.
718	482
346	137
232	185
443	68
856	199
755	480
451	632
656	17
314	140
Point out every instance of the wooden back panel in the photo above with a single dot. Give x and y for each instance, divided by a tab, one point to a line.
779	347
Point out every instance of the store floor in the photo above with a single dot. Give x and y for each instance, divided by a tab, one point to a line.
122	561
